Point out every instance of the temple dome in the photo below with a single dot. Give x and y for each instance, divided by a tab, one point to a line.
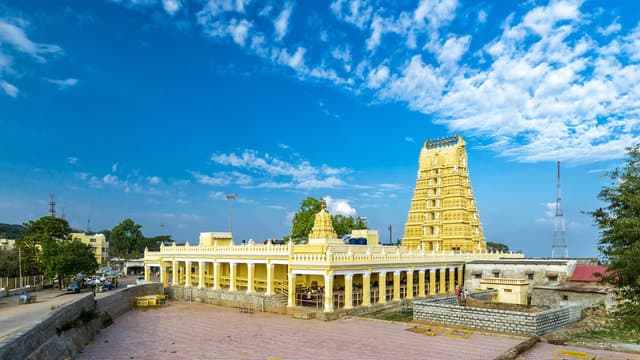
323	226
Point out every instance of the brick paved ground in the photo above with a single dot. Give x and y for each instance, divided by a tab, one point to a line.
198	331
544	351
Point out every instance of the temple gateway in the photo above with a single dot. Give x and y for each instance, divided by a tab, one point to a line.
442	233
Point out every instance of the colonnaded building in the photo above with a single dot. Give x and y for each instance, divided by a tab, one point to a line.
443	232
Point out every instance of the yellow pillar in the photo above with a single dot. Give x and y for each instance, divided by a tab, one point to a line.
348	291
147	272
432	282
443	280
232	276
251	267
269	279
421	283
292	290
366	289
396	286
328	293
216	276
200	274
382	287
174	274
452	279
187	274
460	275
409	284
163	276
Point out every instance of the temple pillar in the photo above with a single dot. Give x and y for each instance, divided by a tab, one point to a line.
460	275
251	268
348	291
443	281
174	274
147	272
382	287
232	276
396	286
216	275
452	279
292	290
421	283
366	289
328	293
269	279
187	275
200	274
432	282
409	284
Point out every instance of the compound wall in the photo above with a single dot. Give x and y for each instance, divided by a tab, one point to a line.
496	320
255	301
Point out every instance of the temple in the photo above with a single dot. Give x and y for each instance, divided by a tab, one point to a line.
443	213
443	232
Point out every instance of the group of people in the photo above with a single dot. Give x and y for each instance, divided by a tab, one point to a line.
461	293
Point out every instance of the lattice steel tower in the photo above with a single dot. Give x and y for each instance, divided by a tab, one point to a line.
559	247
52	206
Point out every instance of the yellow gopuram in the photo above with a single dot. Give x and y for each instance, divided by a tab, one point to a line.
443	232
443	213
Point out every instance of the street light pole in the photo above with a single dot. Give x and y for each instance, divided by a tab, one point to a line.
231	197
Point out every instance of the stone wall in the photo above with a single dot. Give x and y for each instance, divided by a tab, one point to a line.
255	301
48	339
496	320
557	297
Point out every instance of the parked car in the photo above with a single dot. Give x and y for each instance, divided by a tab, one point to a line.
140	280
73	287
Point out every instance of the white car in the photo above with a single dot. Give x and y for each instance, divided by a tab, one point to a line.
140	280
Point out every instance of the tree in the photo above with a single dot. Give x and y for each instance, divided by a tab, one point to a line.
10	231
66	258
41	235
9	263
619	224
127	240
496	246
303	220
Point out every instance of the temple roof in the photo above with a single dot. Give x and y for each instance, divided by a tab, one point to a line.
323	226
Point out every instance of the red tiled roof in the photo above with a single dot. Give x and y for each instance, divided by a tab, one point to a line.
586	272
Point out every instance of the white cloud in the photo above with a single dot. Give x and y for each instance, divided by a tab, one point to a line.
110	179
453	49
72	160
377	77
281	23
154	180
9	89
239	31
114	167
358	12
283	146
409	139
437	13
339	206
171	6
275	207
219	179
482	16
63	83
217	195
15	36
613	28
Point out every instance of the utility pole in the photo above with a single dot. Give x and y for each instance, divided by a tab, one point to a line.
20	265
231	197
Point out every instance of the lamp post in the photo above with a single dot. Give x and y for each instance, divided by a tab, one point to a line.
231	197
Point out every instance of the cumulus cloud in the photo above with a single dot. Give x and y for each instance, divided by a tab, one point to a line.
281	23
339	206
63	83
171	6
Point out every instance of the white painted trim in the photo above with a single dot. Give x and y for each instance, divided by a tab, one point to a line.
308	272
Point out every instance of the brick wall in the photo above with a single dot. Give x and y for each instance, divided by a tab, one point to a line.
495	320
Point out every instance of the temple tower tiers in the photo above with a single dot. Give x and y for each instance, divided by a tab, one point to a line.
322	232
443	213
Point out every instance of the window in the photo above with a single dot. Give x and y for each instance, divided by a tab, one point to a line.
565	297
552	278
92	240
530	276
508	290
477	276
496	274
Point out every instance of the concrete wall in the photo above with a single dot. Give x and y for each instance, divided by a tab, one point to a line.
46	339
255	301
496	320
555	298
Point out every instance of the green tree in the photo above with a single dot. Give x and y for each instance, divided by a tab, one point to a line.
619	223
496	246
39	235
303	220
11	231
9	263
127	240
66	258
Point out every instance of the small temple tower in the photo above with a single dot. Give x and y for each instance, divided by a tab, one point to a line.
443	213
322	232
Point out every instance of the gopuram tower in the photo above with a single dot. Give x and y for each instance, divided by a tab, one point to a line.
443	213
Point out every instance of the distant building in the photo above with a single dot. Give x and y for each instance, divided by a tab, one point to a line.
7	244
99	244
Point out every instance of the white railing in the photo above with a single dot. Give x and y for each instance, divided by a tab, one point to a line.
234	250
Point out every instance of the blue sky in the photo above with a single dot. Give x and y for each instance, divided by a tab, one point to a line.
154	109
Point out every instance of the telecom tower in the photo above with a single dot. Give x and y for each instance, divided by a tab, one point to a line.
559	247
52	206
